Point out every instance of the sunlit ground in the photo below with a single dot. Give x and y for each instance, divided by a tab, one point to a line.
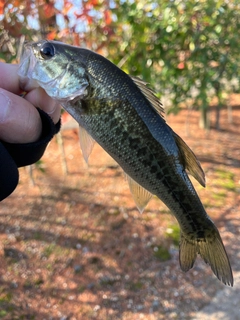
74	246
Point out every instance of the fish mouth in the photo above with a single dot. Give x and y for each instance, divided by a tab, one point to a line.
28	59
28	62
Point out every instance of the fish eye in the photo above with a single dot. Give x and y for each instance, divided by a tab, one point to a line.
47	51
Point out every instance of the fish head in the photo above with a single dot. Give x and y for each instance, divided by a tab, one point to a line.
56	67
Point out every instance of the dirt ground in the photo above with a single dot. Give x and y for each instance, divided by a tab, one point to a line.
74	246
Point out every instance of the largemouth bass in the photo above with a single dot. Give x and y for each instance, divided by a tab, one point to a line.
125	117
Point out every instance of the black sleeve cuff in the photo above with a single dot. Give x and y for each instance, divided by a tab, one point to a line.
8	173
13	155
29	153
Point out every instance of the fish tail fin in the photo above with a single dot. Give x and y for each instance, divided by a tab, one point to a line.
213	252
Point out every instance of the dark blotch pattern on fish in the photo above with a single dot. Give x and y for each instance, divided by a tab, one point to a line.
125	118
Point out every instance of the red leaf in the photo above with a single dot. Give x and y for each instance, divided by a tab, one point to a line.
52	35
93	3
2	3
107	16
76	40
67	7
181	65
49	10
89	19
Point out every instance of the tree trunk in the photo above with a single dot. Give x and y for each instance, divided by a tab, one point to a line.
204	121
230	119
217	123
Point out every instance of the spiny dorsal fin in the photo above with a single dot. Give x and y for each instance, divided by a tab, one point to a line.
150	95
86	143
189	160
140	195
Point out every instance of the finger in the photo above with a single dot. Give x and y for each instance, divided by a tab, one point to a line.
20	122
40	99
9	79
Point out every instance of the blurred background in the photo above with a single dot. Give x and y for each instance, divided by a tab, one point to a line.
73	245
187	50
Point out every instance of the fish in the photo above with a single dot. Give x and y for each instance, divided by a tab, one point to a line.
123	115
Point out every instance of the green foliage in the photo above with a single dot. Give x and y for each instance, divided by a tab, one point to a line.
49	250
173	233
162	253
5	304
6	298
188	50
135	286
40	166
225	179
3	313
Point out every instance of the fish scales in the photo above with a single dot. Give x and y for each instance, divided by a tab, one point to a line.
134	147
124	117
139	155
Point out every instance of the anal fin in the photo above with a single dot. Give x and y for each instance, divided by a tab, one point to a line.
140	195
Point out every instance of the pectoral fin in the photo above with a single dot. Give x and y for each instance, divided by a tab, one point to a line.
140	195
189	160
86	143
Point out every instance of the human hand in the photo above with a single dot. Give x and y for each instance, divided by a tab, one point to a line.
20	121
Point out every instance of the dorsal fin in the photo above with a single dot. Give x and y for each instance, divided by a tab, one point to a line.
150	95
140	195
189	160
86	143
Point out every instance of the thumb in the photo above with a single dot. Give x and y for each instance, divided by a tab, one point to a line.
19	119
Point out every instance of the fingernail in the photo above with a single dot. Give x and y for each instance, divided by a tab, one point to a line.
5	103
53	107
55	112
